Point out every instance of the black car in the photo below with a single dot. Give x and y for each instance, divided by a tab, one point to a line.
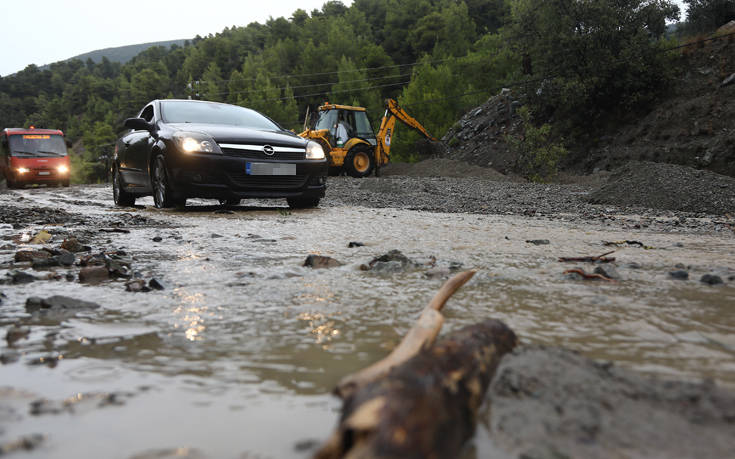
179	149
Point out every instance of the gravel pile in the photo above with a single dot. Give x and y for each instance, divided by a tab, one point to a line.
441	167
667	187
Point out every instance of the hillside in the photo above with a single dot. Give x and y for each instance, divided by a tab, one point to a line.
123	54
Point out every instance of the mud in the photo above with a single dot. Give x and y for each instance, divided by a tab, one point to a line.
237	354
550	402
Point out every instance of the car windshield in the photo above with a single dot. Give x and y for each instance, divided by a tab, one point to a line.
37	145
181	111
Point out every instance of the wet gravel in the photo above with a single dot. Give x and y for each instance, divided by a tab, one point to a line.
570	202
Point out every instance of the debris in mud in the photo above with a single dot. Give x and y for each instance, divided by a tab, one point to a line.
24	443
137	285
78	402
552	402
593	259
30	255
320	262
114	230
628	243
538	241
41	237
679	274
711	279
354	244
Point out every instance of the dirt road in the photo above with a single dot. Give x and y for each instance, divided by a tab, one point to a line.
206	337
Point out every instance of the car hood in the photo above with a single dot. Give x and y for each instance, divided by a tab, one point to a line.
243	135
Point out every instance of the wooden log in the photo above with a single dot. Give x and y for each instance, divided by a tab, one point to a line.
427	406
421	335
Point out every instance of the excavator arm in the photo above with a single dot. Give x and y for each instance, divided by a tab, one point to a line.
394	112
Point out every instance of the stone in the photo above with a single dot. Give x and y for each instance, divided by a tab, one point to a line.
30	255
73	245
93	274
393	256
354	244
21	277
58	303
711	279
679	274
538	241
608	270
320	261
155	284
16	333
157	239
387	266
66	258
43	263
137	285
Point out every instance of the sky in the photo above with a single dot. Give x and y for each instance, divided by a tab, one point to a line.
45	31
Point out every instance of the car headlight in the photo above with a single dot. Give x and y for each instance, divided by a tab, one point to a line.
314	151
196	142
23	170
62	169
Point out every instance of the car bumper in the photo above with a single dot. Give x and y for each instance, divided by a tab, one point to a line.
223	177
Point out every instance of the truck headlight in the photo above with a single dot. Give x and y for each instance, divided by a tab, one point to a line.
62	169
23	170
314	151
196	142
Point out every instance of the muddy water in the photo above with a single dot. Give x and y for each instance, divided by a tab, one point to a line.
236	357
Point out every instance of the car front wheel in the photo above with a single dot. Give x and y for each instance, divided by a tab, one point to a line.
121	197
162	195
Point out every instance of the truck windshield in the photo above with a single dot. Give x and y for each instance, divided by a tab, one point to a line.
37	145
327	120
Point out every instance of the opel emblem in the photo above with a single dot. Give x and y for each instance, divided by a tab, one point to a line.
268	150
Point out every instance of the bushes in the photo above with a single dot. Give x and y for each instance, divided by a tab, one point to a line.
537	155
708	15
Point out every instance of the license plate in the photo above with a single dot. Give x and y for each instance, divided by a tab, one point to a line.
270	169
44	173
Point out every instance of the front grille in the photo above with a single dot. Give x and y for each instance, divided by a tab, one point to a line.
252	154
268	182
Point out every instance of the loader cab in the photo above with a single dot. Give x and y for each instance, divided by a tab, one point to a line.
353	119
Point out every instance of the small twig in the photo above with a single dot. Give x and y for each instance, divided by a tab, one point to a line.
600	258
588	276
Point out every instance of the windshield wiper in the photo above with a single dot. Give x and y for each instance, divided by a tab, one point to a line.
52	152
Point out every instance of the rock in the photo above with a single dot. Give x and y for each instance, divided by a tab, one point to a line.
320	261
58	303
21	277
728	81
573	276
679	274
353	244
16	333
387	266
711	279
216	236
9	357
41	237
30	255
119	267
155	284
73	245
138	285
43	263
633	265
538	241
157	239
608	270
390	258
437	272
24	443
93	274
66	258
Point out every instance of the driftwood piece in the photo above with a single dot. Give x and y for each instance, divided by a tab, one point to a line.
421	335
426	407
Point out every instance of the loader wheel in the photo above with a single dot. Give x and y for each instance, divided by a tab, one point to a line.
359	162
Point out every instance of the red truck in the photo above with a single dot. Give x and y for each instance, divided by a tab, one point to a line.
34	156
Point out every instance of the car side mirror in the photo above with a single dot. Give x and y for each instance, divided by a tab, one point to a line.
138	124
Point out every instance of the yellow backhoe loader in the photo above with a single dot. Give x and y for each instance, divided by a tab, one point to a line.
349	141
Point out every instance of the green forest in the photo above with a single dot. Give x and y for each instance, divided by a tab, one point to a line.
577	65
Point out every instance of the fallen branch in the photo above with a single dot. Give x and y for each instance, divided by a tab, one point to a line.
421	335
600	258
421	400
426	407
